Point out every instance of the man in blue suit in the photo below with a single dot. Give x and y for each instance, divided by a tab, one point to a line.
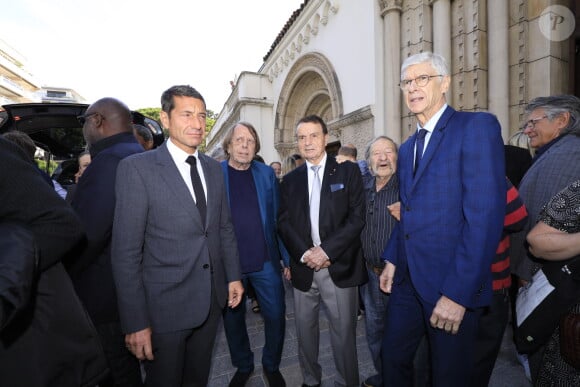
452	188
254	195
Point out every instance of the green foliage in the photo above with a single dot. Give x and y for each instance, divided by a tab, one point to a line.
154	114
42	165
151	113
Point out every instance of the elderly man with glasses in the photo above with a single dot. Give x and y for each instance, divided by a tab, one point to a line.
452	190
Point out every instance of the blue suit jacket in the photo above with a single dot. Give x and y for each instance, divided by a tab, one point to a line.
452	210
268	190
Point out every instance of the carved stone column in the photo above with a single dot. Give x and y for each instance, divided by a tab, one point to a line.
442	34
498	63
391	13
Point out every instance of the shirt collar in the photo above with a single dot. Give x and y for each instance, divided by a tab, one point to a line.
430	125
178	154
322	163
107	142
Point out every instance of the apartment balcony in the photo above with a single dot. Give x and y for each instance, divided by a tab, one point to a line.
13	90
11	70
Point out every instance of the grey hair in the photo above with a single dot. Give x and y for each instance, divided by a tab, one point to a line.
555	105
436	61
372	142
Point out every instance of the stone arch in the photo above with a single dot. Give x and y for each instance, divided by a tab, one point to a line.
311	87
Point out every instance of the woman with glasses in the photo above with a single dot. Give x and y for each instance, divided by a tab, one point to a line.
553	129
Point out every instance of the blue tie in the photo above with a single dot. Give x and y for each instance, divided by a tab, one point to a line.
419	145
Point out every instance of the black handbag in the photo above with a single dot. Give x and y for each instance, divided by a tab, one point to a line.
535	330
570	339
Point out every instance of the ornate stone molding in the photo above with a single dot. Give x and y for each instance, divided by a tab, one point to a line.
311	83
292	48
351	118
390	6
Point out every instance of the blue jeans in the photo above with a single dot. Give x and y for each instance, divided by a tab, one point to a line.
269	290
375	302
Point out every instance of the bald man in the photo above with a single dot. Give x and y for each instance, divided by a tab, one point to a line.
108	131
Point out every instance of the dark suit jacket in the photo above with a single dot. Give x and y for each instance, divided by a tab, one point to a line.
51	341
341	221
94	202
452	210
517	162
268	190
164	258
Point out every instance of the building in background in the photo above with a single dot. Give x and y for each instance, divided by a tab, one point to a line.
341	60
18	85
59	94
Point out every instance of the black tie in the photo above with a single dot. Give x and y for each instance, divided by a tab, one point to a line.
197	188
419	145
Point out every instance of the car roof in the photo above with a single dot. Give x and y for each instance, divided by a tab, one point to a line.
55	128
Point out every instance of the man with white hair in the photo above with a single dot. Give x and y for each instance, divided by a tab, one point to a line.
452	190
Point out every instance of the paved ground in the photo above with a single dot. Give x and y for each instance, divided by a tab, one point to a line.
507	373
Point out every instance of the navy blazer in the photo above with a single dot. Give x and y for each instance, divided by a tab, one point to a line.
452	210
94	202
268	190
342	218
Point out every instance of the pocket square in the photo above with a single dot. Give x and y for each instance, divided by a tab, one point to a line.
336	187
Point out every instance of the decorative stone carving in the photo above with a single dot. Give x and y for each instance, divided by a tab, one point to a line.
288	50
311	87
390	6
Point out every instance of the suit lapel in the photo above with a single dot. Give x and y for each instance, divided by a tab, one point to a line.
172	178
212	193
301	190
406	160
434	142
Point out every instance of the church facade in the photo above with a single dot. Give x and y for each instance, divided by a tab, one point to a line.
341	59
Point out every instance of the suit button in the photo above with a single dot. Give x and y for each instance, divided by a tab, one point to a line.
206	266
407	208
407	236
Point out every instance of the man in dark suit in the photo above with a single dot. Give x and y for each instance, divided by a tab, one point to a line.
452	190
254	197
50	340
175	257
108	131
320	219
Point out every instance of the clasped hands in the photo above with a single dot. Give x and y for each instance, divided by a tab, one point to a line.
315	258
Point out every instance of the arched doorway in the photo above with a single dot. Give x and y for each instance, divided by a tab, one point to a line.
311	87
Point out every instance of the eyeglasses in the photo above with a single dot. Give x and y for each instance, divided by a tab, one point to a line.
82	119
242	140
420	81
531	124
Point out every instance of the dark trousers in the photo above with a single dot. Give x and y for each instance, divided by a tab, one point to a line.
183	358
490	331
407	323
123	365
269	291
375	304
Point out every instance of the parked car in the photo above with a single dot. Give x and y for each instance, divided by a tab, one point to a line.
54	128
